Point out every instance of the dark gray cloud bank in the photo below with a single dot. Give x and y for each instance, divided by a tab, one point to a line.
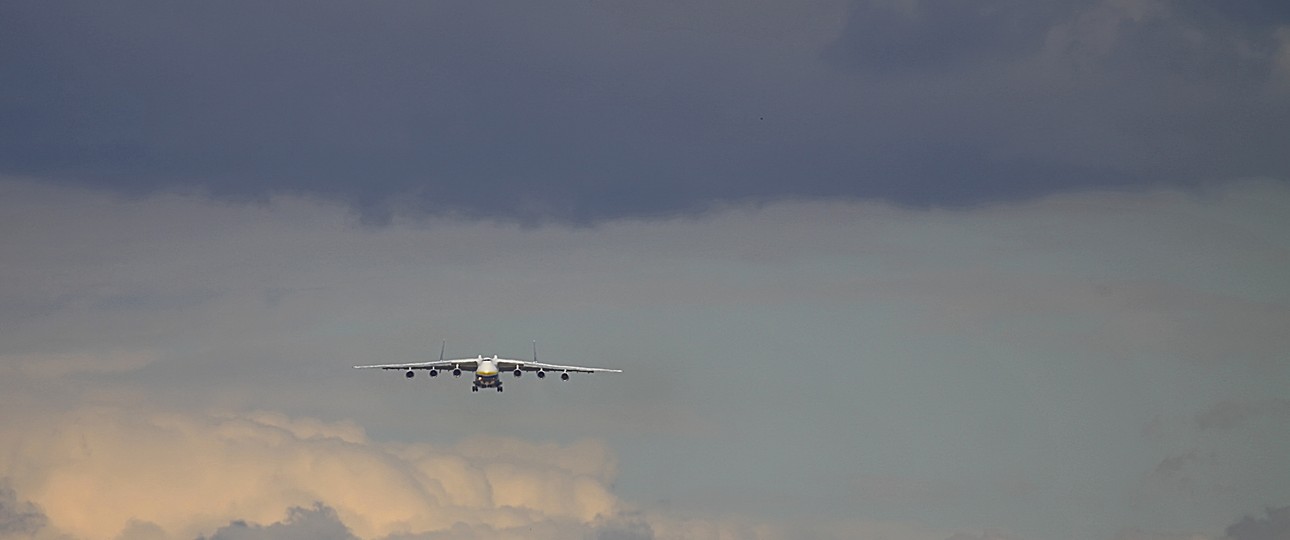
317	523
1275	526
321	523
18	517
580	112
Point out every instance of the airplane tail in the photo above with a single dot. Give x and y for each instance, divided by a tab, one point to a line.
442	346
535	351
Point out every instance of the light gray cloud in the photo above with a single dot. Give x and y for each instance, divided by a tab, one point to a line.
1009	353
987	535
1139	534
1231	414
625	531
143	530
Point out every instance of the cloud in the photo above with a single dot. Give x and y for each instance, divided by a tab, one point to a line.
1275	526
110	473
97	472
142	530
585	113
316	523
1139	534
980	363
19	518
1231	414
987	535
623	530
920	36
1188	475
48	366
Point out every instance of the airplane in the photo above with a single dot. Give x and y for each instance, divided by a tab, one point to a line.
488	370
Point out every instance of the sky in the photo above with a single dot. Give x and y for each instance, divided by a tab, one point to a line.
898	270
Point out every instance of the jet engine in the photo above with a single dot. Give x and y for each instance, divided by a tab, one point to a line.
434	373
541	374
456	372
564	376
518	372
410	374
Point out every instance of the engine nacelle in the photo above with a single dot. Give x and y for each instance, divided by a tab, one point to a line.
564	376
434	373
410	374
518	373
456	372
541	374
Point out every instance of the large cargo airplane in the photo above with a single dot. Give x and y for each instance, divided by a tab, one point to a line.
488	370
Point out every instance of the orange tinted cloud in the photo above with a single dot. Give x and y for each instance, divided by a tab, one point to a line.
96	472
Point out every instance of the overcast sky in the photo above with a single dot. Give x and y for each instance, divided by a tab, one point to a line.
902	270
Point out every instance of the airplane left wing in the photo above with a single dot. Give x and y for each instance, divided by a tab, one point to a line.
508	364
511	364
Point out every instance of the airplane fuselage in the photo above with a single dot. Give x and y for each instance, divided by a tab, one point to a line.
486	376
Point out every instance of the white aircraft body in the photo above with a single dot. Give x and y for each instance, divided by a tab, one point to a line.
488	370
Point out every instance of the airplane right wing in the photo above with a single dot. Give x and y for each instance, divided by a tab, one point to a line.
464	364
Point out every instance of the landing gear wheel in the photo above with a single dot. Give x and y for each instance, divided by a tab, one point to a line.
474	389
499	389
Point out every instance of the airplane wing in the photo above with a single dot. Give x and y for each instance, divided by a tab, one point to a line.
465	364
508	364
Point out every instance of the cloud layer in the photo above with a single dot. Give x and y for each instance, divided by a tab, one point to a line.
109	473
793	369
95	473
578	112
